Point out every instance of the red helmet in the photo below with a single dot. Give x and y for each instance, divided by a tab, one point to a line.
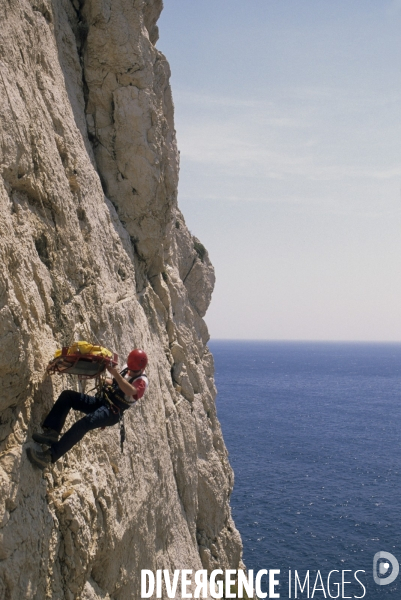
137	360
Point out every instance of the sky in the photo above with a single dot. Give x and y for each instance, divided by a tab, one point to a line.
288	122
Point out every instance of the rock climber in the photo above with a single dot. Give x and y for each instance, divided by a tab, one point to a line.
103	410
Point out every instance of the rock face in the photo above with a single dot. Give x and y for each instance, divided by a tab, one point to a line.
94	247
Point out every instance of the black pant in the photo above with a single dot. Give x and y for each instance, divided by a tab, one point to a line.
98	414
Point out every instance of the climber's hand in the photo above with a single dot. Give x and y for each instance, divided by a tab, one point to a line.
112	370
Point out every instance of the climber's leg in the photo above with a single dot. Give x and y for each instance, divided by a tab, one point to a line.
67	400
101	417
54	421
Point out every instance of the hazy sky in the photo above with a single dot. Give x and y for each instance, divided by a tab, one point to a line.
289	125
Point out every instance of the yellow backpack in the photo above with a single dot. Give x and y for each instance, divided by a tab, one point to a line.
85	348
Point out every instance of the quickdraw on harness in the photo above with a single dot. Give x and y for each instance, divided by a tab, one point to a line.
83	359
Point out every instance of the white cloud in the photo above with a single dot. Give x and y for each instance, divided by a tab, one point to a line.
208	100
231	146
289	139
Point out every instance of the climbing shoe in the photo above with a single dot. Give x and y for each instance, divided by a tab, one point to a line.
38	458
48	437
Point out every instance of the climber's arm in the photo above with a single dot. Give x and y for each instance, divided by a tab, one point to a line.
122	383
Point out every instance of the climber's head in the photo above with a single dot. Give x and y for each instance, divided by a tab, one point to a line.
137	361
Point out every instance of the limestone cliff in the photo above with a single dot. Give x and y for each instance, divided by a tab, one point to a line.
94	247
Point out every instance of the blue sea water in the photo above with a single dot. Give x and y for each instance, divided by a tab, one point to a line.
313	434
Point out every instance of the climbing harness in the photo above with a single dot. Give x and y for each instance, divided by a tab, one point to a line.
108	394
115	398
82	359
117	395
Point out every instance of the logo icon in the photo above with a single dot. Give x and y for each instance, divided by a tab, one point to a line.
382	561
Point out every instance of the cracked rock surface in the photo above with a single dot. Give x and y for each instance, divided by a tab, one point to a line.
93	246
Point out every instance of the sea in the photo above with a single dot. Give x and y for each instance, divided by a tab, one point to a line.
313	431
